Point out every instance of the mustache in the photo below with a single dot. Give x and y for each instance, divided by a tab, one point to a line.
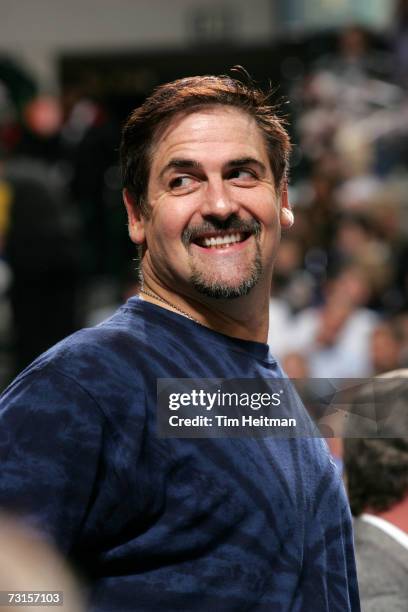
232	223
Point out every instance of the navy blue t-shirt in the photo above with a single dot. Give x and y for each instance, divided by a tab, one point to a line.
170	524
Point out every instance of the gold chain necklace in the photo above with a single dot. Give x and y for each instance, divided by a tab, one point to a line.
157	297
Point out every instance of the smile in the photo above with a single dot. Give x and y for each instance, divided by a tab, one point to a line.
224	241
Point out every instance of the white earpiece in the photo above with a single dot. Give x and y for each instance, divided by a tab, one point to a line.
287	217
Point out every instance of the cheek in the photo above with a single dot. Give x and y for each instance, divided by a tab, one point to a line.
262	203
268	215
167	225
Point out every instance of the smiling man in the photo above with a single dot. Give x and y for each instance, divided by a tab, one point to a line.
211	213
213	224
170	524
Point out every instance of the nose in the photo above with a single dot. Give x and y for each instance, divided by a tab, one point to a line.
218	201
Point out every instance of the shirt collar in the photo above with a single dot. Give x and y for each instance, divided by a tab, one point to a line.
394	532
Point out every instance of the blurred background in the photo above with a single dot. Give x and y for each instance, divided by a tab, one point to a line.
71	72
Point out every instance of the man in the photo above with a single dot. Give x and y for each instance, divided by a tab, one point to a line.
376	467
168	524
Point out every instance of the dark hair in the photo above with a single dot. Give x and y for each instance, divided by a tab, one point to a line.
189	95
377	468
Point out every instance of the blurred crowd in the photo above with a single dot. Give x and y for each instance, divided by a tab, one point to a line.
339	302
64	250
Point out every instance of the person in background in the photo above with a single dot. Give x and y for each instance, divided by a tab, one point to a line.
41	238
32	572
386	347
335	336
376	472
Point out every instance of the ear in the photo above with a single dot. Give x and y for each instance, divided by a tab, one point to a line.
286	214
135	218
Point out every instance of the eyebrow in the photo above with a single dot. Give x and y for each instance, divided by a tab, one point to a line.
181	163
246	161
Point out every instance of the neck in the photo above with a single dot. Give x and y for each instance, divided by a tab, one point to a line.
245	318
397	514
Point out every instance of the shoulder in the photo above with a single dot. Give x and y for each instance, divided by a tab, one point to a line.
100	362
89	386
108	349
382	566
372	542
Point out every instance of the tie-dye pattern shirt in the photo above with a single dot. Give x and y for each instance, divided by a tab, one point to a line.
171	524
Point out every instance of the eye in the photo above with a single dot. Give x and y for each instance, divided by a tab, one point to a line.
242	175
181	182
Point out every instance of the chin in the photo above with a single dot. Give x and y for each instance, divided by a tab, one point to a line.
218	289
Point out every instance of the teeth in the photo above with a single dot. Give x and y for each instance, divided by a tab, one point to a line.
221	240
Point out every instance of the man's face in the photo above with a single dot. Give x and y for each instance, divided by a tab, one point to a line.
214	224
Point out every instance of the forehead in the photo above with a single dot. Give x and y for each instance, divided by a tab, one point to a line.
219	130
